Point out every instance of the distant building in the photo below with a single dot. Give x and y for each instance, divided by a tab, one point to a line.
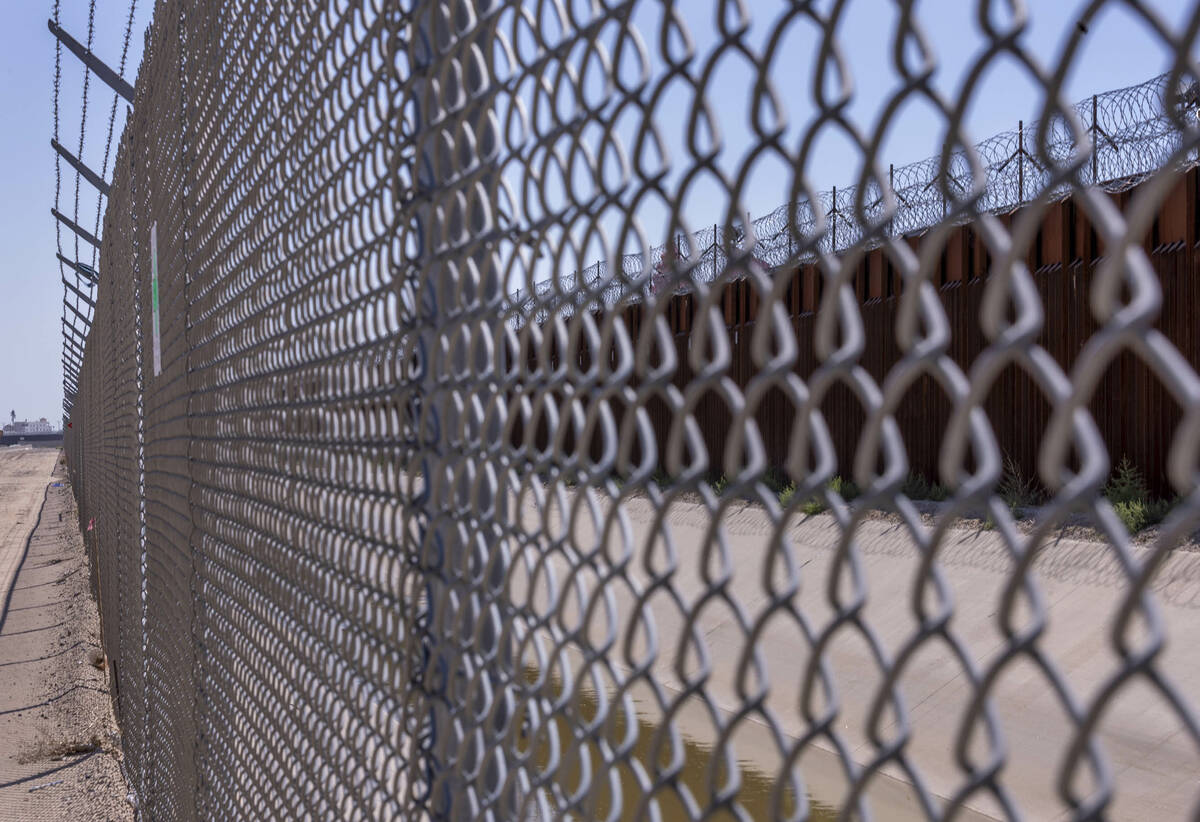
29	427
30	432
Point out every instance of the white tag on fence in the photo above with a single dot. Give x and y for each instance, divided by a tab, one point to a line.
154	297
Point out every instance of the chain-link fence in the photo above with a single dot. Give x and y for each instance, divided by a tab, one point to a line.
396	515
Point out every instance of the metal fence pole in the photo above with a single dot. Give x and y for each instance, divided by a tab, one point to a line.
834	213
454	538
435	657
892	187
1020	162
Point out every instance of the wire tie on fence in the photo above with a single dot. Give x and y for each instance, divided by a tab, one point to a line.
47	785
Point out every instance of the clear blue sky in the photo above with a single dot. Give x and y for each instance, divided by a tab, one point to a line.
1119	52
31	292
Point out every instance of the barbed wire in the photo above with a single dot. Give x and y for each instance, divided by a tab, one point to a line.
1131	135
78	287
83	113
56	94
112	115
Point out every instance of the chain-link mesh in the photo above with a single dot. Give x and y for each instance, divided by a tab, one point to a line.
404	507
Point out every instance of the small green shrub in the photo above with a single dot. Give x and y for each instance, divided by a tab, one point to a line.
1157	510
1130	497
915	486
776	480
720	484
1132	513
844	488
785	496
1017	490
813	506
1126	484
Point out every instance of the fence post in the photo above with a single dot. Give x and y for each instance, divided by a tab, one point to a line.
435	664
718	248
1095	142
892	187
455	539
834	212
1020	162
791	231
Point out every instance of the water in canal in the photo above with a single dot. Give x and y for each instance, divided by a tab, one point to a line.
696	775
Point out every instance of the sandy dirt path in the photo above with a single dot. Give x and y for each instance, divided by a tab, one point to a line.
24	473
58	741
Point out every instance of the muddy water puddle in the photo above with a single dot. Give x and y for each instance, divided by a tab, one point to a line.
701	774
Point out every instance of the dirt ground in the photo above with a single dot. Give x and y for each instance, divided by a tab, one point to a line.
59	747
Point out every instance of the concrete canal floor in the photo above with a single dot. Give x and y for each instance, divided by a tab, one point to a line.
1151	756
